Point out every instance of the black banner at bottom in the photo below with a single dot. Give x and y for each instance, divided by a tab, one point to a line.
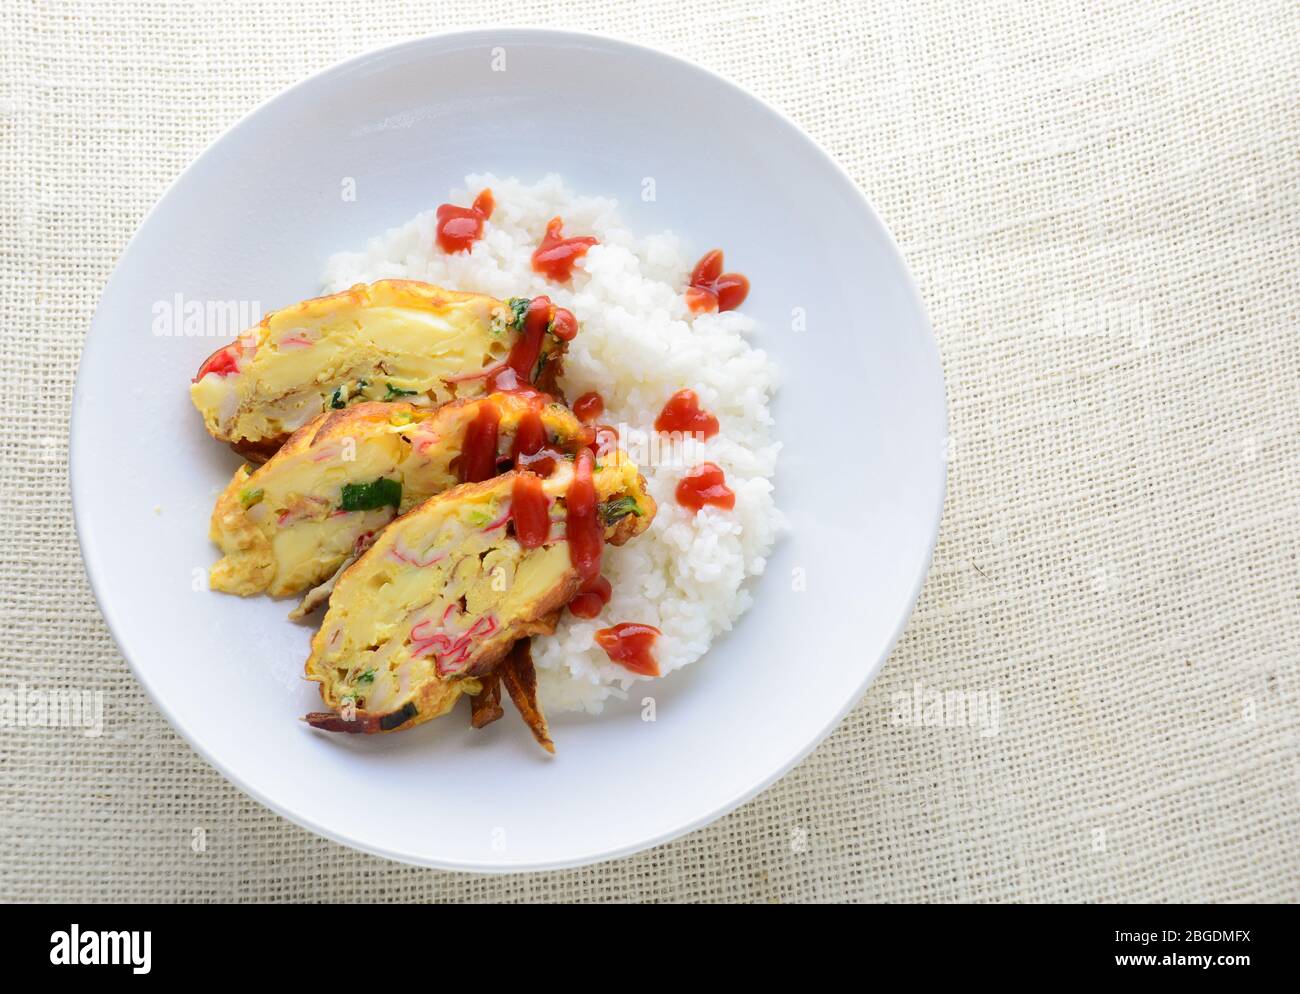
287	943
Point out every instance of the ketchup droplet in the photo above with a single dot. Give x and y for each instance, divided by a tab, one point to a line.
594	595
589	406
564	325
683	413
705	484
460	227
629	645
478	452
710	289
530	510
582	526
555	256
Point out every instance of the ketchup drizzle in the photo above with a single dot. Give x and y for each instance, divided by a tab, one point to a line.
583	530
530	509
710	289
527	348
460	227
478	454
555	256
705	484
592	598
530	450
530	435
629	644
683	413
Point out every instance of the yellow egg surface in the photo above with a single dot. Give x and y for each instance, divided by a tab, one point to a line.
289	524
393	340
446	590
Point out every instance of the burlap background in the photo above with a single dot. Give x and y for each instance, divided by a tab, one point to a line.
1099	202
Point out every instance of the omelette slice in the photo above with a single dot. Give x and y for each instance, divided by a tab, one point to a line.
432	608
386	341
291	523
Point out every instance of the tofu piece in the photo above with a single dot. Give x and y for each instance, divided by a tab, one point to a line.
389	340
291	523
429	610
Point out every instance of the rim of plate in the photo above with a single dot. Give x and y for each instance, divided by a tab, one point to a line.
543	34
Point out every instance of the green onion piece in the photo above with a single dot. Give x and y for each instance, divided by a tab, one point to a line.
392	393
369	496
518	308
613	511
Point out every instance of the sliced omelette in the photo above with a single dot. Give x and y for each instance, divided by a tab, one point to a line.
290	524
435	604
393	340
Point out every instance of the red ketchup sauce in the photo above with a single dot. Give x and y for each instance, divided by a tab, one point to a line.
460	227
683	413
530	436
542	462
629	645
554	258
522	360
564	325
589	406
591	599
478	454
583	529
711	289
530	510
703	485
530	450
515	374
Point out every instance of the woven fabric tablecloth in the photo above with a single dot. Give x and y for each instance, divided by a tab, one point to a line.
1100	203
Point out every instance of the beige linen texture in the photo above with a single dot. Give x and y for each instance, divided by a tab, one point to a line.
1099	203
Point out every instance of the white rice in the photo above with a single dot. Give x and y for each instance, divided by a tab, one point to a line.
638	344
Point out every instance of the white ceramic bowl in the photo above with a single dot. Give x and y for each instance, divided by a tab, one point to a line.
861	415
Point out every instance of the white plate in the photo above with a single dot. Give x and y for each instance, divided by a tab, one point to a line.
861	415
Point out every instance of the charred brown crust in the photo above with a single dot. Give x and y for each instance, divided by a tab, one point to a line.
520	677
362	722
258	452
359	724
485	706
549	380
